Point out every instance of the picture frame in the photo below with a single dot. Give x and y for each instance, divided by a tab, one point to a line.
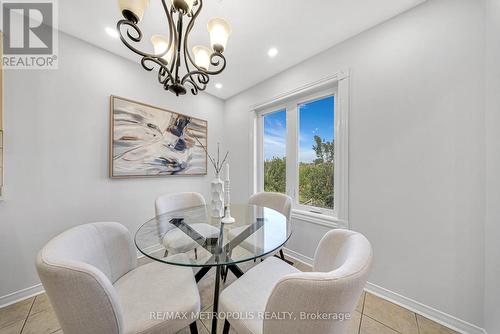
149	141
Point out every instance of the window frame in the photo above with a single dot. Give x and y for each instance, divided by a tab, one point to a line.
296	191
338	86
260	144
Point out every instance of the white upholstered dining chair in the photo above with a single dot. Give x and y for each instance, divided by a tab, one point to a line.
174	240
341	265
276	201
91	277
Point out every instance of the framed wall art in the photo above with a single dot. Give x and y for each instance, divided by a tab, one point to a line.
147	141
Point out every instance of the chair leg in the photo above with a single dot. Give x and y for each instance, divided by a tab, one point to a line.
224	274
193	328
196	253
166	253
282	255
226	327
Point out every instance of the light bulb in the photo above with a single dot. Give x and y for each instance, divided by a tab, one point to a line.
134	7
184	6
160	45
202	57
219	31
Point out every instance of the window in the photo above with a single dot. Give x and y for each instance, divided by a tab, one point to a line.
316	153
275	151
301	150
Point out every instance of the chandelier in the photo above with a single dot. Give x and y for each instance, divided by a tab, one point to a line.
172	52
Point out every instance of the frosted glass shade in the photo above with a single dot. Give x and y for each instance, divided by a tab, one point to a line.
202	56
219	31
160	45
183	5
136	7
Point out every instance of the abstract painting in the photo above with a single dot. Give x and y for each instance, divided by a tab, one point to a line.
150	141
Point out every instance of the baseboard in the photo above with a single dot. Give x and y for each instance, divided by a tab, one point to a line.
442	318
17	296
298	257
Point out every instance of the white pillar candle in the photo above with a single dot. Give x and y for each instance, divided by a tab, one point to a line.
227	171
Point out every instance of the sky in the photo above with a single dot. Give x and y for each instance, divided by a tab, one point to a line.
315	118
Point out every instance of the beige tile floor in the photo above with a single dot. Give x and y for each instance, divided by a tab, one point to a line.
373	315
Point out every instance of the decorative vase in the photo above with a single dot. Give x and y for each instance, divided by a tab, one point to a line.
217	197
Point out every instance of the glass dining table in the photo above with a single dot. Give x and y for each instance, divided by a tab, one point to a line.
258	231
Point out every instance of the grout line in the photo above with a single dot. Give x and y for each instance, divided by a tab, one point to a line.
362	311
201	322
418	325
207	307
384	324
27	316
364	301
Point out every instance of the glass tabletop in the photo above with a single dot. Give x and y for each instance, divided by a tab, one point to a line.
191	237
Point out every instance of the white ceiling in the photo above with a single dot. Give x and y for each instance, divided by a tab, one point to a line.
298	28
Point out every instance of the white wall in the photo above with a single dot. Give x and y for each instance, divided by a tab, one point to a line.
416	150
492	231
56	156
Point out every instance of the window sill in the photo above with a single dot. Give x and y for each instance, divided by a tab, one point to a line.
319	219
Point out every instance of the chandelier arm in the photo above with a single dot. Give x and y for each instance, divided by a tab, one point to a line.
163	77
135	36
213	57
194	16
217	62
171	26
166	85
200	79
213	61
194	88
162	72
188	29
188	78
176	41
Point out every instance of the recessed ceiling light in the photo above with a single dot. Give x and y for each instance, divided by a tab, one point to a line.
273	52
218	85
112	32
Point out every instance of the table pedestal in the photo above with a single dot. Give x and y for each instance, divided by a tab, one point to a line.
218	275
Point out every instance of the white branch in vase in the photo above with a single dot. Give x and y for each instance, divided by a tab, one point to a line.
217	165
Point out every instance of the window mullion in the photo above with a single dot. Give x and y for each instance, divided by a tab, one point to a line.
260	153
292	152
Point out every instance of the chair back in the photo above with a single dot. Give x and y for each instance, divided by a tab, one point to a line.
341	266
276	201
177	201
78	268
